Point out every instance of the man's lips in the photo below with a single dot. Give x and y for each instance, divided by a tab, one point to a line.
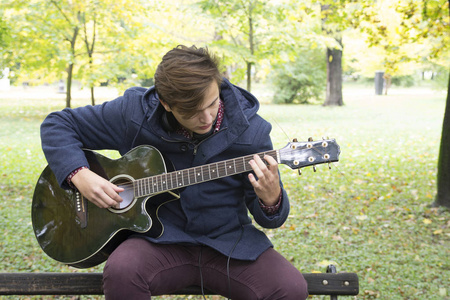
205	127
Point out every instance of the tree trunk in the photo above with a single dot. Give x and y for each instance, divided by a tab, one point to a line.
71	65
92	85
69	85
251	45
90	48
443	174
249	77
92	96
334	77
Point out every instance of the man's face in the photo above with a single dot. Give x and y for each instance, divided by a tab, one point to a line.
202	121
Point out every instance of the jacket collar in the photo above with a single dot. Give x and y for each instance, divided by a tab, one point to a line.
240	106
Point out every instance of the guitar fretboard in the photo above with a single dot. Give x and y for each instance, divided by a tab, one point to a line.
179	179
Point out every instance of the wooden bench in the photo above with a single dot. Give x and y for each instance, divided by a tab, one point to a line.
330	283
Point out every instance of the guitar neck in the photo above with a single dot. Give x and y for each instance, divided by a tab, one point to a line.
179	179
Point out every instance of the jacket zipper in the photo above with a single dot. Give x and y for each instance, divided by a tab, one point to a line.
198	144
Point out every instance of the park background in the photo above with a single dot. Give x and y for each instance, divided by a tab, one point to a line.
372	213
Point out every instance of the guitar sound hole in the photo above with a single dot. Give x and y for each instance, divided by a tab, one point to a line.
127	195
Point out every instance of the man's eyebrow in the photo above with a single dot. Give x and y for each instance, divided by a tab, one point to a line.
212	103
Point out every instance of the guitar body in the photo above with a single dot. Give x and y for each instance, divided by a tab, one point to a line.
72	230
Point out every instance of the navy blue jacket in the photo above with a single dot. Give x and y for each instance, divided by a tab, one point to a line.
213	213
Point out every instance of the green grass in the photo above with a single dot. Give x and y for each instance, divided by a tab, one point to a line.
370	214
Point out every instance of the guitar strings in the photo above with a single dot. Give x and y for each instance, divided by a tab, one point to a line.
164	182
196	174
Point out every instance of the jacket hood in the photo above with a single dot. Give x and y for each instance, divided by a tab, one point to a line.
247	103
240	106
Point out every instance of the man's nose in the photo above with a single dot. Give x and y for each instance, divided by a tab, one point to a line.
206	117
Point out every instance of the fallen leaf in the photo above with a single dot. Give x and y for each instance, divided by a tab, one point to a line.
361	217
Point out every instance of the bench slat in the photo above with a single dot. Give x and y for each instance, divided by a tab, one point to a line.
91	284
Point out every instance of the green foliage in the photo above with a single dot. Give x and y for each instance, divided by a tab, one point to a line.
407	80
241	26
4	33
440	77
262	33
131	36
401	35
302	80
5	40
91	36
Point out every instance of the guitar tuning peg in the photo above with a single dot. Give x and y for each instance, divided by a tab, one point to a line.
314	168
299	171
310	139
295	140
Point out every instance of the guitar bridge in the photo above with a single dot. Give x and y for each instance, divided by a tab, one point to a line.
81	209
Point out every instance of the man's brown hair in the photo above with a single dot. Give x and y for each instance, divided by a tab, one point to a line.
184	75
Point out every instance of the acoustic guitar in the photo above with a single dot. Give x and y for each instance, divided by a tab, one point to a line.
73	231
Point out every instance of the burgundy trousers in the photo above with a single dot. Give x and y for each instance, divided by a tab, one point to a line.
138	269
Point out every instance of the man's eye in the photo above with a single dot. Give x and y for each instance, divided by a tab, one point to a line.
190	117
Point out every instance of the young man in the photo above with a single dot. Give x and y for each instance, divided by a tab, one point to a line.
193	116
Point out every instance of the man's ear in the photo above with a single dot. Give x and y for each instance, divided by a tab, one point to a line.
165	105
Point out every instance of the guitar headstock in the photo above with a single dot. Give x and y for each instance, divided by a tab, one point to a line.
302	154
